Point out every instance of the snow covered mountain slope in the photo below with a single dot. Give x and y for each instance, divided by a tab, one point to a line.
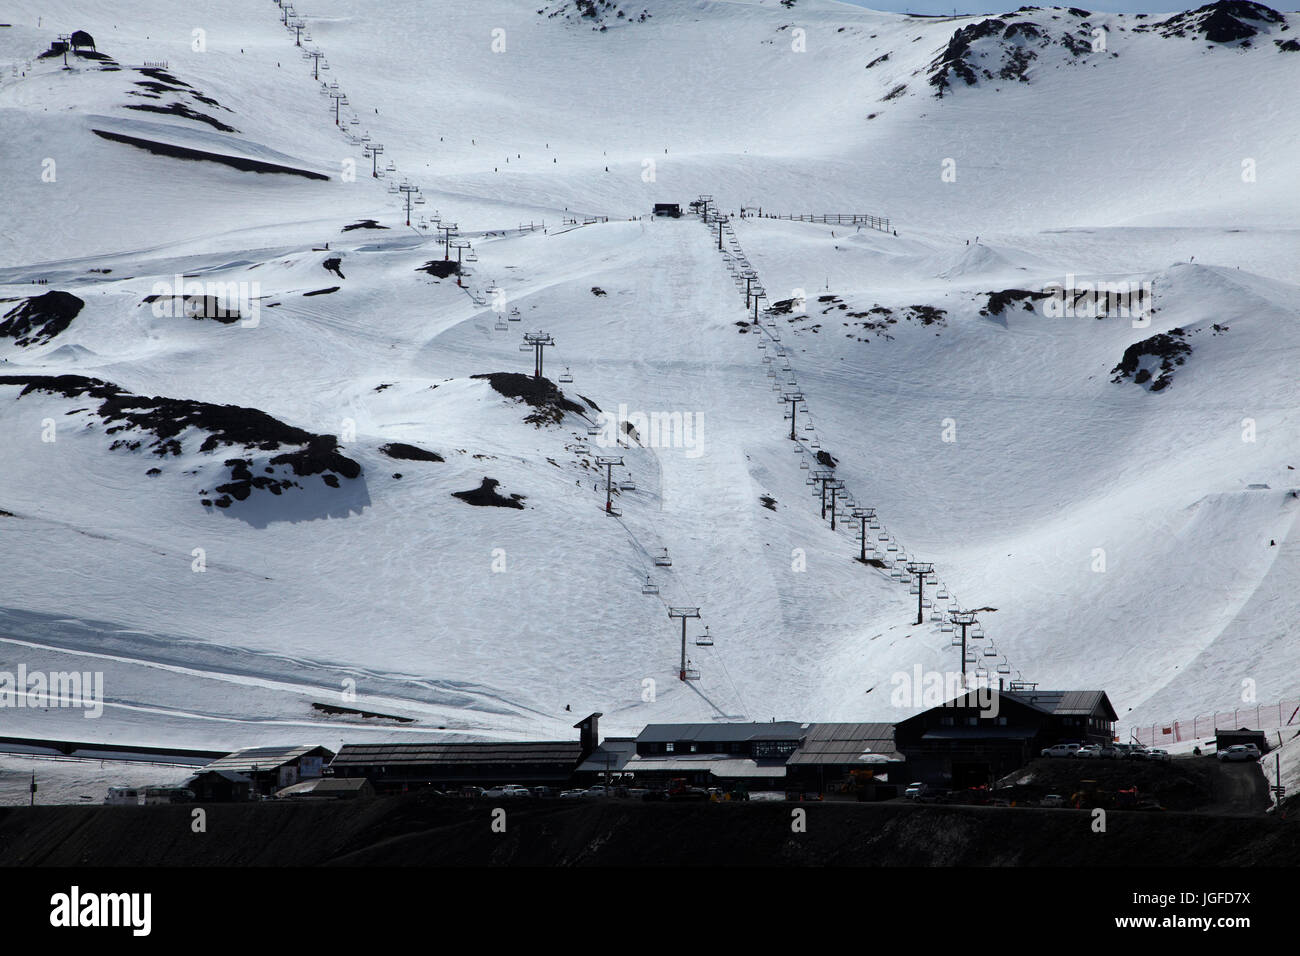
1096	480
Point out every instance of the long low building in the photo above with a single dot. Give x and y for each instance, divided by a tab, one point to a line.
406	766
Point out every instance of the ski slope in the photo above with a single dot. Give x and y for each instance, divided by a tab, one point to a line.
389	595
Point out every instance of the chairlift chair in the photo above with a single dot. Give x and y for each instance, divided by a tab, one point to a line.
501	323
525	347
691	673
593	430
704	640
391	167
649	587
565	377
662	560
956	639
942	594
627	485
990	652
1004	668
977	631
947	629
803	465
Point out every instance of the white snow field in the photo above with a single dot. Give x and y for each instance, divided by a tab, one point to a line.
1131	538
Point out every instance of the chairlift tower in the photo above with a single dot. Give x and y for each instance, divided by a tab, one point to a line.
374	149
314	56
922	570
539	341
794	398
460	245
683	613
409	190
963	620
864	517
823	477
448	229
608	462
836	487
339	98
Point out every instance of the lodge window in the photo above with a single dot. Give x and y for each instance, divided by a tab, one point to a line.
668	748
945	721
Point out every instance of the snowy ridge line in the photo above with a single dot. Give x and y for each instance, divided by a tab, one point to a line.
735	254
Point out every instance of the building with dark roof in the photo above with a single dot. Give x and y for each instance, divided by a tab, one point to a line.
395	767
718	755
273	768
857	759
219	786
984	734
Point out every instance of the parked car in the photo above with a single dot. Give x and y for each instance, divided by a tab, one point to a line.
1158	755
652	795
1138	752
508	791
915	791
1061	750
1052	800
1109	753
573	794
1239	752
1089	751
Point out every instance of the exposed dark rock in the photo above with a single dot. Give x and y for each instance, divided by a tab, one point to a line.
541	393
406	452
231	426
999	301
332	289
40	318
485	495
332	265
768	502
440	268
1169	348
196	307
180	109
1224	22
363	224
824	458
